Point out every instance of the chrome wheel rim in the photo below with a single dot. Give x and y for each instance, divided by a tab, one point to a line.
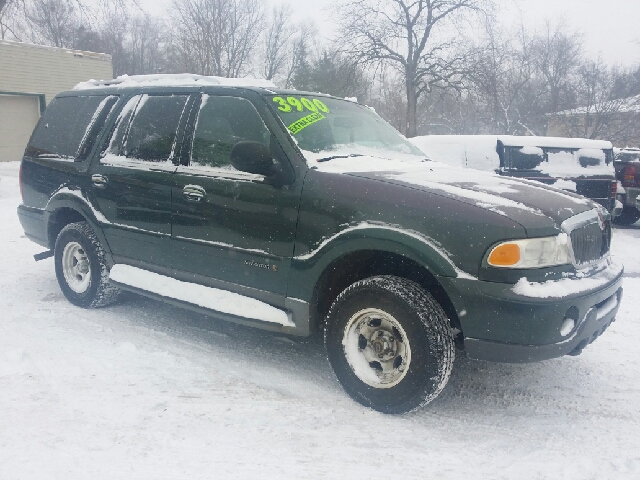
376	348
76	267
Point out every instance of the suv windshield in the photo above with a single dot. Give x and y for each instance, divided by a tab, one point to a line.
326	128
628	156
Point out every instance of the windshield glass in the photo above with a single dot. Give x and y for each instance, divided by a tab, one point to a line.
326	128
628	156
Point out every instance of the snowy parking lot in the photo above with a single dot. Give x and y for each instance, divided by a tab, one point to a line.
146	390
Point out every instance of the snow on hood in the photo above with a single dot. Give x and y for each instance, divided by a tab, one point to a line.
503	195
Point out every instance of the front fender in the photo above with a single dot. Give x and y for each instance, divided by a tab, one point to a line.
307	268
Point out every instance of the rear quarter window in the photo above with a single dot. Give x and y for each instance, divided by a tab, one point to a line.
69	123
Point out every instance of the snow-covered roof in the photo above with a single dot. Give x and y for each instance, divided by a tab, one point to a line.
77	53
479	151
623	105
173	80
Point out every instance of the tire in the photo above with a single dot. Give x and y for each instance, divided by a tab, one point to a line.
81	267
390	344
629	216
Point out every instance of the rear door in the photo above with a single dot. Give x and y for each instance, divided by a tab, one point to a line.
231	225
132	180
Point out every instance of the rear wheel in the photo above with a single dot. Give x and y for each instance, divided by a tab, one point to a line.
629	216
81	267
390	344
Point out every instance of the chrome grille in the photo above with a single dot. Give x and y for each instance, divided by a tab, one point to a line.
589	243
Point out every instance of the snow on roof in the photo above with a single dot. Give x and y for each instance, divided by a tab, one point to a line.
173	80
622	105
77	53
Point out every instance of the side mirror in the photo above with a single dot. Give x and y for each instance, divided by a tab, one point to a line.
252	157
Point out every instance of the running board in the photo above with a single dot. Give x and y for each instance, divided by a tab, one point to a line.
208	298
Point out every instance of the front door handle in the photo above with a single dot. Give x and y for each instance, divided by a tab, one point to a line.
194	193
99	181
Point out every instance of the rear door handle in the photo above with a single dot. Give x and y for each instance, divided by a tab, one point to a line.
99	181
194	193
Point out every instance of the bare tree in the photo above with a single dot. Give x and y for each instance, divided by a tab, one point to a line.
503	78
299	53
277	37
15	22
334	74
604	112
53	22
557	56
408	35
10	19
114	33
216	37
145	44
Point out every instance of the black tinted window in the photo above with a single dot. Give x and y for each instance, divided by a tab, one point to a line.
525	158
121	126
95	126
223	122
153	129
65	124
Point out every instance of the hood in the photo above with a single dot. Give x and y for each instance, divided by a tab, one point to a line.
537	207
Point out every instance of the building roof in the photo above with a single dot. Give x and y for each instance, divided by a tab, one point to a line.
77	53
622	105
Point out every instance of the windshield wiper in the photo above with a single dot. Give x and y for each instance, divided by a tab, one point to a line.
326	159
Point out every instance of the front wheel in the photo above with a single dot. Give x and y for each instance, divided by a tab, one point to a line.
81	267
390	344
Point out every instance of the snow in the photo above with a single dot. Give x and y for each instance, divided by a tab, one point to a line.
206	297
173	80
562	184
567	164
529	150
565	287
147	390
479	152
483	189
473	151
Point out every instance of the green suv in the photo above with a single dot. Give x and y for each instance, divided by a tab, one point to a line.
295	212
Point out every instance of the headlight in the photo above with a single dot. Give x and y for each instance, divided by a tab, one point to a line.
531	253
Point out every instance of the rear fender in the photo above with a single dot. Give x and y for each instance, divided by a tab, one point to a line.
74	199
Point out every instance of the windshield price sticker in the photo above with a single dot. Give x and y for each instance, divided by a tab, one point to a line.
304	122
300	104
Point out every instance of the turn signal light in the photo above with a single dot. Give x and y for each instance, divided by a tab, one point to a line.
505	255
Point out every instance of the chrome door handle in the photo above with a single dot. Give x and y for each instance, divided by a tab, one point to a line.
99	181
194	193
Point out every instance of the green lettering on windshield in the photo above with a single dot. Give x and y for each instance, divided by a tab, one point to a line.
304	122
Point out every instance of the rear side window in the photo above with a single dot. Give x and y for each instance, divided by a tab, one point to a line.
69	123
149	133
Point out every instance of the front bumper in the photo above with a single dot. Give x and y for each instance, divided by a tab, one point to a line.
502	326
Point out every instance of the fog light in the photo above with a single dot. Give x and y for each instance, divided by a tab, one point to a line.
567	326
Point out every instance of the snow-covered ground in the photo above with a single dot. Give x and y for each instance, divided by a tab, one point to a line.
145	390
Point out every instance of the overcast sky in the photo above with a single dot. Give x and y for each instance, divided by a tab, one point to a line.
611	28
